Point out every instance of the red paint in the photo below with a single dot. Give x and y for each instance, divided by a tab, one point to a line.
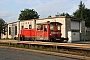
44	33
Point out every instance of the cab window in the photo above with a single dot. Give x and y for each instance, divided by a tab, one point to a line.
22	27
51	26
30	27
45	28
58	27
39	27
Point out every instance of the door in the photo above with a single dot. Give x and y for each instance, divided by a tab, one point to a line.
69	36
75	36
45	33
40	32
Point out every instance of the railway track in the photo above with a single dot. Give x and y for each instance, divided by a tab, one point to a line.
69	45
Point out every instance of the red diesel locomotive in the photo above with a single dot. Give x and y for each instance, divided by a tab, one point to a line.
50	31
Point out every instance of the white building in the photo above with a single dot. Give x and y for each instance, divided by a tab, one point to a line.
72	28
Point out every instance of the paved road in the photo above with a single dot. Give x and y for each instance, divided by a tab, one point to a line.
11	54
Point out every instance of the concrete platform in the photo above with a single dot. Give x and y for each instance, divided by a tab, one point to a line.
83	42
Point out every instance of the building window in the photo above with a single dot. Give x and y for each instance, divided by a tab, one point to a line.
30	26
87	33
22	27
9	30
15	30
4	30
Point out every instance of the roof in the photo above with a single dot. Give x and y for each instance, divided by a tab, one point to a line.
77	19
49	17
21	21
48	22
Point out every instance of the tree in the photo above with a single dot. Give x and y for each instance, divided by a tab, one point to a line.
2	27
83	13
65	14
27	14
79	13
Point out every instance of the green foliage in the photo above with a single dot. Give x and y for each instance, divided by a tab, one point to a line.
3	26
2	23
65	14
79	13
27	14
83	13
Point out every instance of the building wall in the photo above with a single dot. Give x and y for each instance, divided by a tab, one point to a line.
26	24
9	30
13	27
68	25
18	28
87	32
83	30
75	30
4	36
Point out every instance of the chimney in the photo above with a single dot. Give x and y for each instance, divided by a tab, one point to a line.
49	17
57	15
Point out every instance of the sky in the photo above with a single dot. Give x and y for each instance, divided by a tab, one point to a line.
10	9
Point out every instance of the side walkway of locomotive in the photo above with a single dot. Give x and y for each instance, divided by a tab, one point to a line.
50	31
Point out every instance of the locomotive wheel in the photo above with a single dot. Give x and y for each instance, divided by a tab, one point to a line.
52	40
61	40
65	41
15	38
21	38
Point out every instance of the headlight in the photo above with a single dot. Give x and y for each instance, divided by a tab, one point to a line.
54	32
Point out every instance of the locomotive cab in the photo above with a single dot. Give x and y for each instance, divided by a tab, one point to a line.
55	31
